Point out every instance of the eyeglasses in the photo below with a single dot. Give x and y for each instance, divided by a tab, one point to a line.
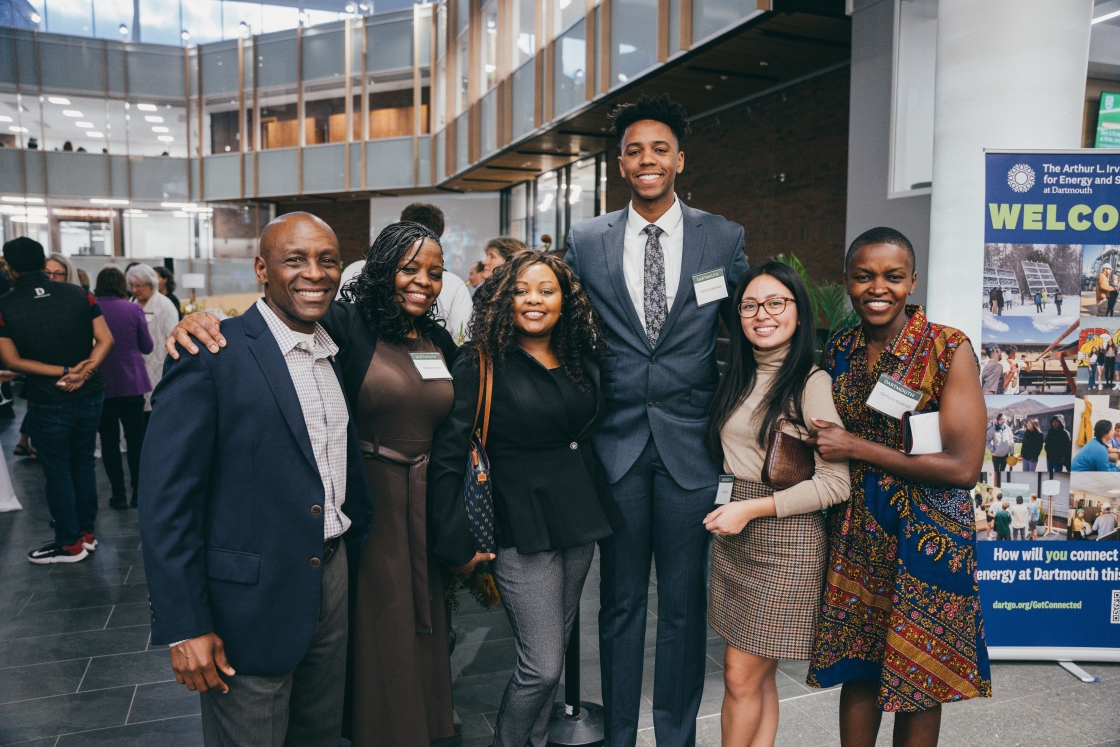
56	274
774	306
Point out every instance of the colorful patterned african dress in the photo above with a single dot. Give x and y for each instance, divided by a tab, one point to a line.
901	606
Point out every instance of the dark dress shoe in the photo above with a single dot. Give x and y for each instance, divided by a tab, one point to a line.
118	502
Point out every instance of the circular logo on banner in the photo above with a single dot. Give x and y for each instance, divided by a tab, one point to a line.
1020	178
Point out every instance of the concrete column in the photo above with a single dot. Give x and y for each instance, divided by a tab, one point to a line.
1010	74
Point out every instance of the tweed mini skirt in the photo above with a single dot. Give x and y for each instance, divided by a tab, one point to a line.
766	581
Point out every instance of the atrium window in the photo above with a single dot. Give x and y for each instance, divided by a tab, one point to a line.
110	17
915	56
571	76
149	137
524	29
633	38
567	13
490	45
159	22
74	122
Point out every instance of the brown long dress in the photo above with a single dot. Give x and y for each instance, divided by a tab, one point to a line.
402	669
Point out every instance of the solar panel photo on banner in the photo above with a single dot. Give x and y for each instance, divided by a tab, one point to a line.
1039	277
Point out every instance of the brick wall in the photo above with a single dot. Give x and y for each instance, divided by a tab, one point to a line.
777	165
348	218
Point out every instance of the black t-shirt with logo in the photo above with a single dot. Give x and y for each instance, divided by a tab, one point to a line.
50	323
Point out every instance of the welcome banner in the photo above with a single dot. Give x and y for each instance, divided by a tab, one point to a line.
1048	546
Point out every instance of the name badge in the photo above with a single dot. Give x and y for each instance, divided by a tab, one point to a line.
723	492
430	366
709	286
892	398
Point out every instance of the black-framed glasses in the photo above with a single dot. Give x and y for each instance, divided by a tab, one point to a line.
774	306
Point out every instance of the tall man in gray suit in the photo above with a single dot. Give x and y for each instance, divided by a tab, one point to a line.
660	274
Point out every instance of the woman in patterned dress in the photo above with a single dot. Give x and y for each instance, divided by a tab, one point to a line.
900	624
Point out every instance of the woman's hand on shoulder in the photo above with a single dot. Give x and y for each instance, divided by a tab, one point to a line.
831	440
729	518
206	328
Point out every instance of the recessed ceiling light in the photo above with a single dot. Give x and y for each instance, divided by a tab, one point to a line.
83	124
91	133
58	100
150	118
160	129
1115	491
38	200
5	119
14	128
37	219
166	139
106	201
146	107
71	113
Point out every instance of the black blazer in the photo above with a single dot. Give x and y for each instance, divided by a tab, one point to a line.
550	491
357	343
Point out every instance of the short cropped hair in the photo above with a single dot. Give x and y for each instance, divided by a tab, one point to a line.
143	274
657	108
427	215
25	255
881	235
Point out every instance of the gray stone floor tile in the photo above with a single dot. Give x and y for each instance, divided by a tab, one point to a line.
129	615
41	680
50	601
64	714
128	669
50	623
163	700
45	648
484	657
185	731
481	693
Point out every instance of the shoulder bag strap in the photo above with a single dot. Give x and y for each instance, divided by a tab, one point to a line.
489	389
482	367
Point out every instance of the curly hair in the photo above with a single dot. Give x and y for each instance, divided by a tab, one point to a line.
658	108
578	332
374	289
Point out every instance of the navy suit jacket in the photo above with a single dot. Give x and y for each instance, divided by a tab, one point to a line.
664	390
228	483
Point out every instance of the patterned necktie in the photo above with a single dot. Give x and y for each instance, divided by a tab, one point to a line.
656	307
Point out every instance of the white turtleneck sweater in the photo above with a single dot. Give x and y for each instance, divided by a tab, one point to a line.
743	457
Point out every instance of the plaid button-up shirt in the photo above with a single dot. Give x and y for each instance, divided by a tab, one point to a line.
324	410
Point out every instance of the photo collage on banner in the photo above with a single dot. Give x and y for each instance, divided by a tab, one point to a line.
1045	504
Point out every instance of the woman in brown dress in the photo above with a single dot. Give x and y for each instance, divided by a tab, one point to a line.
401	670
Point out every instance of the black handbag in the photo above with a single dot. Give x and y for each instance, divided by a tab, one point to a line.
478	491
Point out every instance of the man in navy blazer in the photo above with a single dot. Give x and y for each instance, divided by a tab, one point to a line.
251	477
660	274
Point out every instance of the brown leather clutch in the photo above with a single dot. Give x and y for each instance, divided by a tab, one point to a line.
789	460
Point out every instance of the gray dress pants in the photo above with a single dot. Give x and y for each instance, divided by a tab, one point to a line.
302	708
540	593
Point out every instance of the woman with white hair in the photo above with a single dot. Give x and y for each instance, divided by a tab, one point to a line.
162	316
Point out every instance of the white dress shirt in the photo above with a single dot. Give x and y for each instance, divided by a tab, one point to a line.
324	410
634	255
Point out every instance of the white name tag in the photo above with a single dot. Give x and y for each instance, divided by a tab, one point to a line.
709	286
892	398
430	366
723	493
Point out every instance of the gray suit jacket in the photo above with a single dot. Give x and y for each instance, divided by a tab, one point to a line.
665	390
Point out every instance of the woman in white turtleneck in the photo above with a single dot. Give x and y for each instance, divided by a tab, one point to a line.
768	555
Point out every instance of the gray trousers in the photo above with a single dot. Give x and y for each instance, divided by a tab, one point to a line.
540	593
302	708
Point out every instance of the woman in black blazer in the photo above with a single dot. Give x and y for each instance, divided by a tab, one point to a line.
551	500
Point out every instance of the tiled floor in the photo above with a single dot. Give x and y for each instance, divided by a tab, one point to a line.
76	667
